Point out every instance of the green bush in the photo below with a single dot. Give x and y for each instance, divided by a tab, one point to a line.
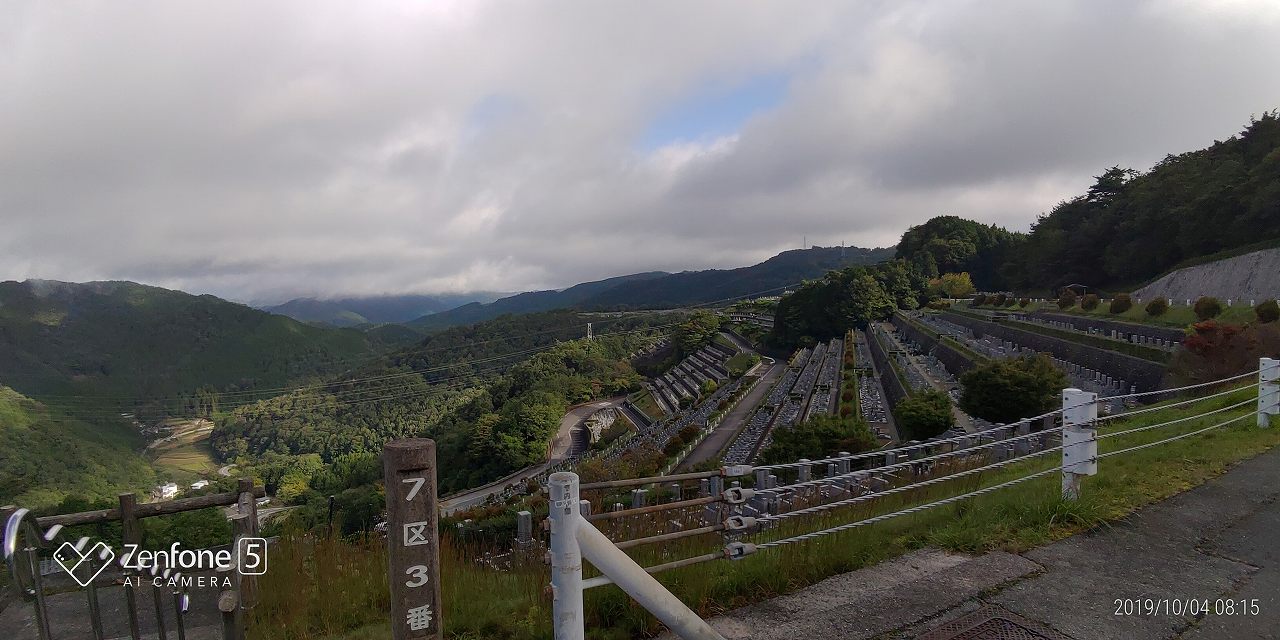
1011	301
1000	300
1207	307
978	300
1157	307
820	436
1268	311
924	415
1067	299
1121	303
1024	302
1009	390
1090	302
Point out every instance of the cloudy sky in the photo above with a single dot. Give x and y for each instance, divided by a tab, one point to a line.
261	150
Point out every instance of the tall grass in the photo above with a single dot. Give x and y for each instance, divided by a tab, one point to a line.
481	602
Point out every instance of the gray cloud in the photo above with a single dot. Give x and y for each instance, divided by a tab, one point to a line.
262	151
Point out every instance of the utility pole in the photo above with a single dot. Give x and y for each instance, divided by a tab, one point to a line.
590	336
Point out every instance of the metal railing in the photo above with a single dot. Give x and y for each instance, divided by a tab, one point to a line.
27	538
739	513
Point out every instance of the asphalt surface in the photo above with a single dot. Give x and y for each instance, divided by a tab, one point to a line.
735	420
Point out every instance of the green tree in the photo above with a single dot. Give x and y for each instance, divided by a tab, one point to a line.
818	437
1207	307
1121	303
1009	390
1157	307
1267	312
923	415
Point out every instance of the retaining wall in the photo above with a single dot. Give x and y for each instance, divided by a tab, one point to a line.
953	359
894	389
1144	374
1107	326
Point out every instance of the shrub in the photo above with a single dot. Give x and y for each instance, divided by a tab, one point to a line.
1067	299
818	437
847	396
1157	307
978	300
1024	302
1089	302
1121	303
924	415
1207	307
1000	300
1009	390
1011	301
674	446
1268	311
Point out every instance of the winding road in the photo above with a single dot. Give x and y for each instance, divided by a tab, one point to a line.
557	452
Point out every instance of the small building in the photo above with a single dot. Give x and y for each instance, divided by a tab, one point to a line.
167	491
199	484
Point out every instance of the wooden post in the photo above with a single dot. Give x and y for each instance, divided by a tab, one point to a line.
131	533
413	521
247	504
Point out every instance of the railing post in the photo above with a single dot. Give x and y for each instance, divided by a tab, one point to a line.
566	558
131	533
413	537
1079	439
1268	390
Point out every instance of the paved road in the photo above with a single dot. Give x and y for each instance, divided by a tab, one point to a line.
1216	543
226	471
735	420
557	452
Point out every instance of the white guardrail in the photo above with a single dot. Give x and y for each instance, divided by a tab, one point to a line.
738	512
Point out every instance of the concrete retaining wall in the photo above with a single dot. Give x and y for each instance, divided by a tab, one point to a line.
1107	326
953	359
894	389
1146	375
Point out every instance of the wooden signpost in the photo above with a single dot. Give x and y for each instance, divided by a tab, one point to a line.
413	538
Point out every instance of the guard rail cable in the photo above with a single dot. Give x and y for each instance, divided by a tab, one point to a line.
574	538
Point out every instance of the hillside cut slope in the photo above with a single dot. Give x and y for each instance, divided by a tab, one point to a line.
1252	276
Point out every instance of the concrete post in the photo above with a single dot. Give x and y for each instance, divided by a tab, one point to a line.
413	538
1268	390
806	473
566	557
524	527
639	498
1079	439
584	507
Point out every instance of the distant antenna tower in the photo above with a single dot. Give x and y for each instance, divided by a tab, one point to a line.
805	242
842	251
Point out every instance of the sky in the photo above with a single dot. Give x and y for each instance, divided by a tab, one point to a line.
266	150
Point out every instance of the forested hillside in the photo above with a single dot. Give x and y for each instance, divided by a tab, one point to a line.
120	344
45	456
352	311
492	395
658	290
1129	227
529	302
827	307
698	287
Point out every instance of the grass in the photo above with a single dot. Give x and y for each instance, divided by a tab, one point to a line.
1152	354
649	406
306	599
189	453
1178	316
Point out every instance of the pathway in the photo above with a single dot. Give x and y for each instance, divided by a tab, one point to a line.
557	451
735	420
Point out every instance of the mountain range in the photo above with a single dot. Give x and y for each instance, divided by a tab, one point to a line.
355	311
657	289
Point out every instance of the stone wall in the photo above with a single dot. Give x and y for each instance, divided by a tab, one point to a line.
1146	375
894	389
956	361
